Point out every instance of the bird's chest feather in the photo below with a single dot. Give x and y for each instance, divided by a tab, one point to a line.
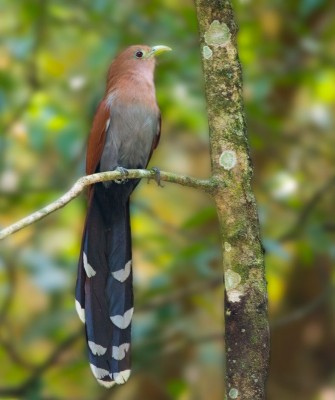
129	136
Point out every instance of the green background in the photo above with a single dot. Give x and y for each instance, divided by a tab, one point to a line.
53	60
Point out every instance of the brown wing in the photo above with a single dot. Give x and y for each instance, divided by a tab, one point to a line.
97	137
157	137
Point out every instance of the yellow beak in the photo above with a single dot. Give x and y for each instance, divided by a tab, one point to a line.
156	50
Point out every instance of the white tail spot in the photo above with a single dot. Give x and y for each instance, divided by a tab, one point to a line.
107	384
80	311
119	352
99	372
88	268
123	321
122	377
96	349
122	274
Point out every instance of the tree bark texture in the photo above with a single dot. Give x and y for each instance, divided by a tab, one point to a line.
246	323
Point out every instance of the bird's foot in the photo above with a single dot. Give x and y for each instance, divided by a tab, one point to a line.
157	176
124	172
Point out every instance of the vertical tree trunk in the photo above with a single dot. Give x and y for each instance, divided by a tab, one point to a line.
246	324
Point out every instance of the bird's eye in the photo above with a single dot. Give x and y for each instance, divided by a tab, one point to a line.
139	54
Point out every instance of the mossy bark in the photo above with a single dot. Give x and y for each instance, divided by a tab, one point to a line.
246	323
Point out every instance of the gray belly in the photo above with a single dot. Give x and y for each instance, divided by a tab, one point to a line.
129	137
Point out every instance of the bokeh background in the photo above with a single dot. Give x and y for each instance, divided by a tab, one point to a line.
53	59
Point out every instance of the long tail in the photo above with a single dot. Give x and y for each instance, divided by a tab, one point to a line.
104	292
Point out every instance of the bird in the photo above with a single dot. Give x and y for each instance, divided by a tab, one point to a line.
125	132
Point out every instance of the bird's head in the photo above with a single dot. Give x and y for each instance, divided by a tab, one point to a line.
143	53
140	59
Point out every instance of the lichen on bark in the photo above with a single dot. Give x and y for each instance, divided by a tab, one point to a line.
246	323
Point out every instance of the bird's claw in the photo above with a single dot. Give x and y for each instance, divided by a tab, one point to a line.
124	172
157	176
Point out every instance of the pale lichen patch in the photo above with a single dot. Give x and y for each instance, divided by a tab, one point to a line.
234	295
227	247
232	284
232	279
233	393
217	34
207	52
228	159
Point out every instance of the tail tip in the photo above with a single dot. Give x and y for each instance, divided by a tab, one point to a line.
121	377
106	384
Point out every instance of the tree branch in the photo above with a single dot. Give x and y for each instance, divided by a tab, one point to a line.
246	323
23	388
305	310
307	210
208	186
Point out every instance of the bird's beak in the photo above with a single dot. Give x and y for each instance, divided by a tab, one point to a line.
156	50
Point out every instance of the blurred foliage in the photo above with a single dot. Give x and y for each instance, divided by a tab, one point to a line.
53	60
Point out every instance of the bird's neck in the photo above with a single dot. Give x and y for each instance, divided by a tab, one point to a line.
126	74
132	86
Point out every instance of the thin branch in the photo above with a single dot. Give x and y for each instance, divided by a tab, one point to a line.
307	210
205	185
173	229
15	355
170	345
177	295
22	389
304	311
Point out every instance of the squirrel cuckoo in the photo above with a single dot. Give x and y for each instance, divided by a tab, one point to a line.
125	131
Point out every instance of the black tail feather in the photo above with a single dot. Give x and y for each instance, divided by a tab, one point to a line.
104	292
